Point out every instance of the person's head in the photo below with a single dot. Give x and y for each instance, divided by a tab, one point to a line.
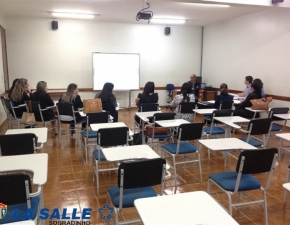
193	78
224	89
258	81
149	87
41	86
185	90
248	80
256	88
14	83
20	87
72	89
108	88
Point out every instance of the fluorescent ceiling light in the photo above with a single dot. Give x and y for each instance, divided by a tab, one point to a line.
167	21
73	15
210	5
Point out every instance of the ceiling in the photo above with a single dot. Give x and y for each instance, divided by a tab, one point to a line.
124	11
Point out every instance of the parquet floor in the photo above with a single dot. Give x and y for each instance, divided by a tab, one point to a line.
70	184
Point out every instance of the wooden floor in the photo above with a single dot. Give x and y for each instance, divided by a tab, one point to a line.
70	182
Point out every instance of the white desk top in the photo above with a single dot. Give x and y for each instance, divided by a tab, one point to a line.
226	144
84	114
257	110
231	120
129	152
36	163
41	133
204	111
97	126
285	116
194	208
235	101
285	136
171	123
144	115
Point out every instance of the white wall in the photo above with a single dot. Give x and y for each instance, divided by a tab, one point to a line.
60	57
257	44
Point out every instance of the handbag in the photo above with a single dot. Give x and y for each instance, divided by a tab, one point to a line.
157	130
92	105
28	117
261	104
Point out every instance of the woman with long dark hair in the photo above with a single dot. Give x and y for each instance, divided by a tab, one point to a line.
240	108
148	95
223	96
185	96
12	87
109	101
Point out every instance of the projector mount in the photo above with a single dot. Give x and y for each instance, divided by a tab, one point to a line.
144	15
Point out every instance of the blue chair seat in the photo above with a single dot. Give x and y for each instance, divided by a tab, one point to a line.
215	130
96	155
130	195
8	218
208	118
251	142
91	134
227	180
184	148
275	128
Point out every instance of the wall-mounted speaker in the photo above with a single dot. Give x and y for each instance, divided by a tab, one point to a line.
167	30
54	25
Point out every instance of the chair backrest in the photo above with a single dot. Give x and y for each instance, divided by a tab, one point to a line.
97	117
260	126
257	160
190	131
164	116
36	109
280	110
65	108
13	188
228	104
8	104
186	107
141	173
17	144
113	136
147	107
221	113
170	88
4	106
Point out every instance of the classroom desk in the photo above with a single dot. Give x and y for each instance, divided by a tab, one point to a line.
40	132
196	207
97	126
35	163
225	145
202	112
257	111
144	119
230	121
285	116
171	123
283	137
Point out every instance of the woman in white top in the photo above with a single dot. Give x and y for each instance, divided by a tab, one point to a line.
185	96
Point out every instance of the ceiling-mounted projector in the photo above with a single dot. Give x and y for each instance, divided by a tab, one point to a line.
144	15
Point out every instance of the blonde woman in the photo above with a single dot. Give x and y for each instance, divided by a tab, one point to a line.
20	95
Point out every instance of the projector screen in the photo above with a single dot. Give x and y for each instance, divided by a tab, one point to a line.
121	69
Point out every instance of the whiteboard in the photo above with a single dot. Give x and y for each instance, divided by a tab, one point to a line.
121	69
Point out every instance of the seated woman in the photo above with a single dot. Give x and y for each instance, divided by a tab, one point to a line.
109	101
20	95
223	96
71	96
148	95
185	96
240	108
12	88
45	100
258	81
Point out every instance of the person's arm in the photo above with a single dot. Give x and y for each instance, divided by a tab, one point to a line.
156	97
137	100
217	102
78	102
175	101
48	100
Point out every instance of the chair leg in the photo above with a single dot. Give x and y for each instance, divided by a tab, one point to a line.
285	195
265	208
174	169
199	165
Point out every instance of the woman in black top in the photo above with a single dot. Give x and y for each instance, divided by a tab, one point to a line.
20	95
148	95
109	101
223	96
12	88
45	100
240	108
71	96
